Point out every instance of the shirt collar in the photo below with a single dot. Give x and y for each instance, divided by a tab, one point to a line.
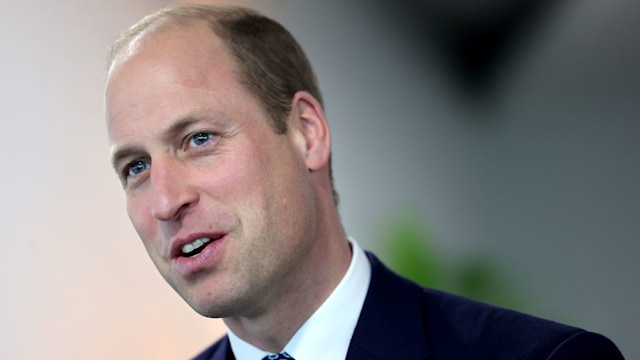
327	333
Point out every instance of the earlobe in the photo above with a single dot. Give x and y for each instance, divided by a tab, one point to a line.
311	125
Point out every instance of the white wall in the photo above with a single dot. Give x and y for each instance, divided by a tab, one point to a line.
76	282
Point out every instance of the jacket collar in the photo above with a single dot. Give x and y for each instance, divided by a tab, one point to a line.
392	324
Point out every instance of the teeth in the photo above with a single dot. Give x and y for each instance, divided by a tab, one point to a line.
188	249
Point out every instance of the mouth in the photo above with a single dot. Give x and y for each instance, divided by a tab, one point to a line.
197	254
194	247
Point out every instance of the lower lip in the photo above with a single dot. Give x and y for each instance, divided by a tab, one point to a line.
191	266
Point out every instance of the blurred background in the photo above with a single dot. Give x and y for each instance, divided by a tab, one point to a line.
492	146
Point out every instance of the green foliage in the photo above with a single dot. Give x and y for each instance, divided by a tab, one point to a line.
412	252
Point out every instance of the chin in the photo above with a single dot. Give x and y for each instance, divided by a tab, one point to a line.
210	308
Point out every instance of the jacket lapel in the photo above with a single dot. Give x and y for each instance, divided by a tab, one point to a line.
221	350
392	324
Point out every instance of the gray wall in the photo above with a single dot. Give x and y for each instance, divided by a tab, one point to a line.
539	172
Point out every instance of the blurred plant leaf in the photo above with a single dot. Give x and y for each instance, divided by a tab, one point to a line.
412	251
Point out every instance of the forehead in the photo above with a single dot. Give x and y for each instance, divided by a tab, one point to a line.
187	55
165	62
168	40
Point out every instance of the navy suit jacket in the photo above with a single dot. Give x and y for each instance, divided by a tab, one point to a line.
401	320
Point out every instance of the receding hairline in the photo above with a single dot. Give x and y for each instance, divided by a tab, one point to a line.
171	18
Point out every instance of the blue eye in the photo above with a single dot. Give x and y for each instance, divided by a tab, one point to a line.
137	167
200	138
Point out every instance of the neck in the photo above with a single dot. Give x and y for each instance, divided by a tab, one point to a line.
324	267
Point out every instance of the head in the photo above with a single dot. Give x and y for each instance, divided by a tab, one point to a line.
270	62
228	187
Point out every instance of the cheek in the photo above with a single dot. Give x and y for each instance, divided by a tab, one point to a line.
239	177
140	216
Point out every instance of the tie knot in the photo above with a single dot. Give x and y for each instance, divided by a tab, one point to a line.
281	356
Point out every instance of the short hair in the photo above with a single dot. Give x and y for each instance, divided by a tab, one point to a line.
271	64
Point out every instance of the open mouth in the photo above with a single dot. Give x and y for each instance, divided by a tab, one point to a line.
194	248
192	254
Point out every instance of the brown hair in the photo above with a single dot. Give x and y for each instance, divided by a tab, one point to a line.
271	63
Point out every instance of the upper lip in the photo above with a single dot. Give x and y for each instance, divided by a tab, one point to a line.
178	243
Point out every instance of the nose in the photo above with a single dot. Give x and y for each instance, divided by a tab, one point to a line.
172	194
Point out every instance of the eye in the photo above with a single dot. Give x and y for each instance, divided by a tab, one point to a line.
136	168
199	139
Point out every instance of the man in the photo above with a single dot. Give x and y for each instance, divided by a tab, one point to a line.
221	143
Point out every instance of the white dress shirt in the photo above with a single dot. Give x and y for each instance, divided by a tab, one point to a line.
327	333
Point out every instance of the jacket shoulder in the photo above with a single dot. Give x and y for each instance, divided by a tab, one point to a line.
587	346
459	328
466	327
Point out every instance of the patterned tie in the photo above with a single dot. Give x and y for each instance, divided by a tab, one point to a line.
281	356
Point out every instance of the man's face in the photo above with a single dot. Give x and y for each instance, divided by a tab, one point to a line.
224	206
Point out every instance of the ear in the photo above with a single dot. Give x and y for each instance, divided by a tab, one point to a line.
310	130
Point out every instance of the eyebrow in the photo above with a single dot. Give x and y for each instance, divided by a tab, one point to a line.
179	127
123	153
